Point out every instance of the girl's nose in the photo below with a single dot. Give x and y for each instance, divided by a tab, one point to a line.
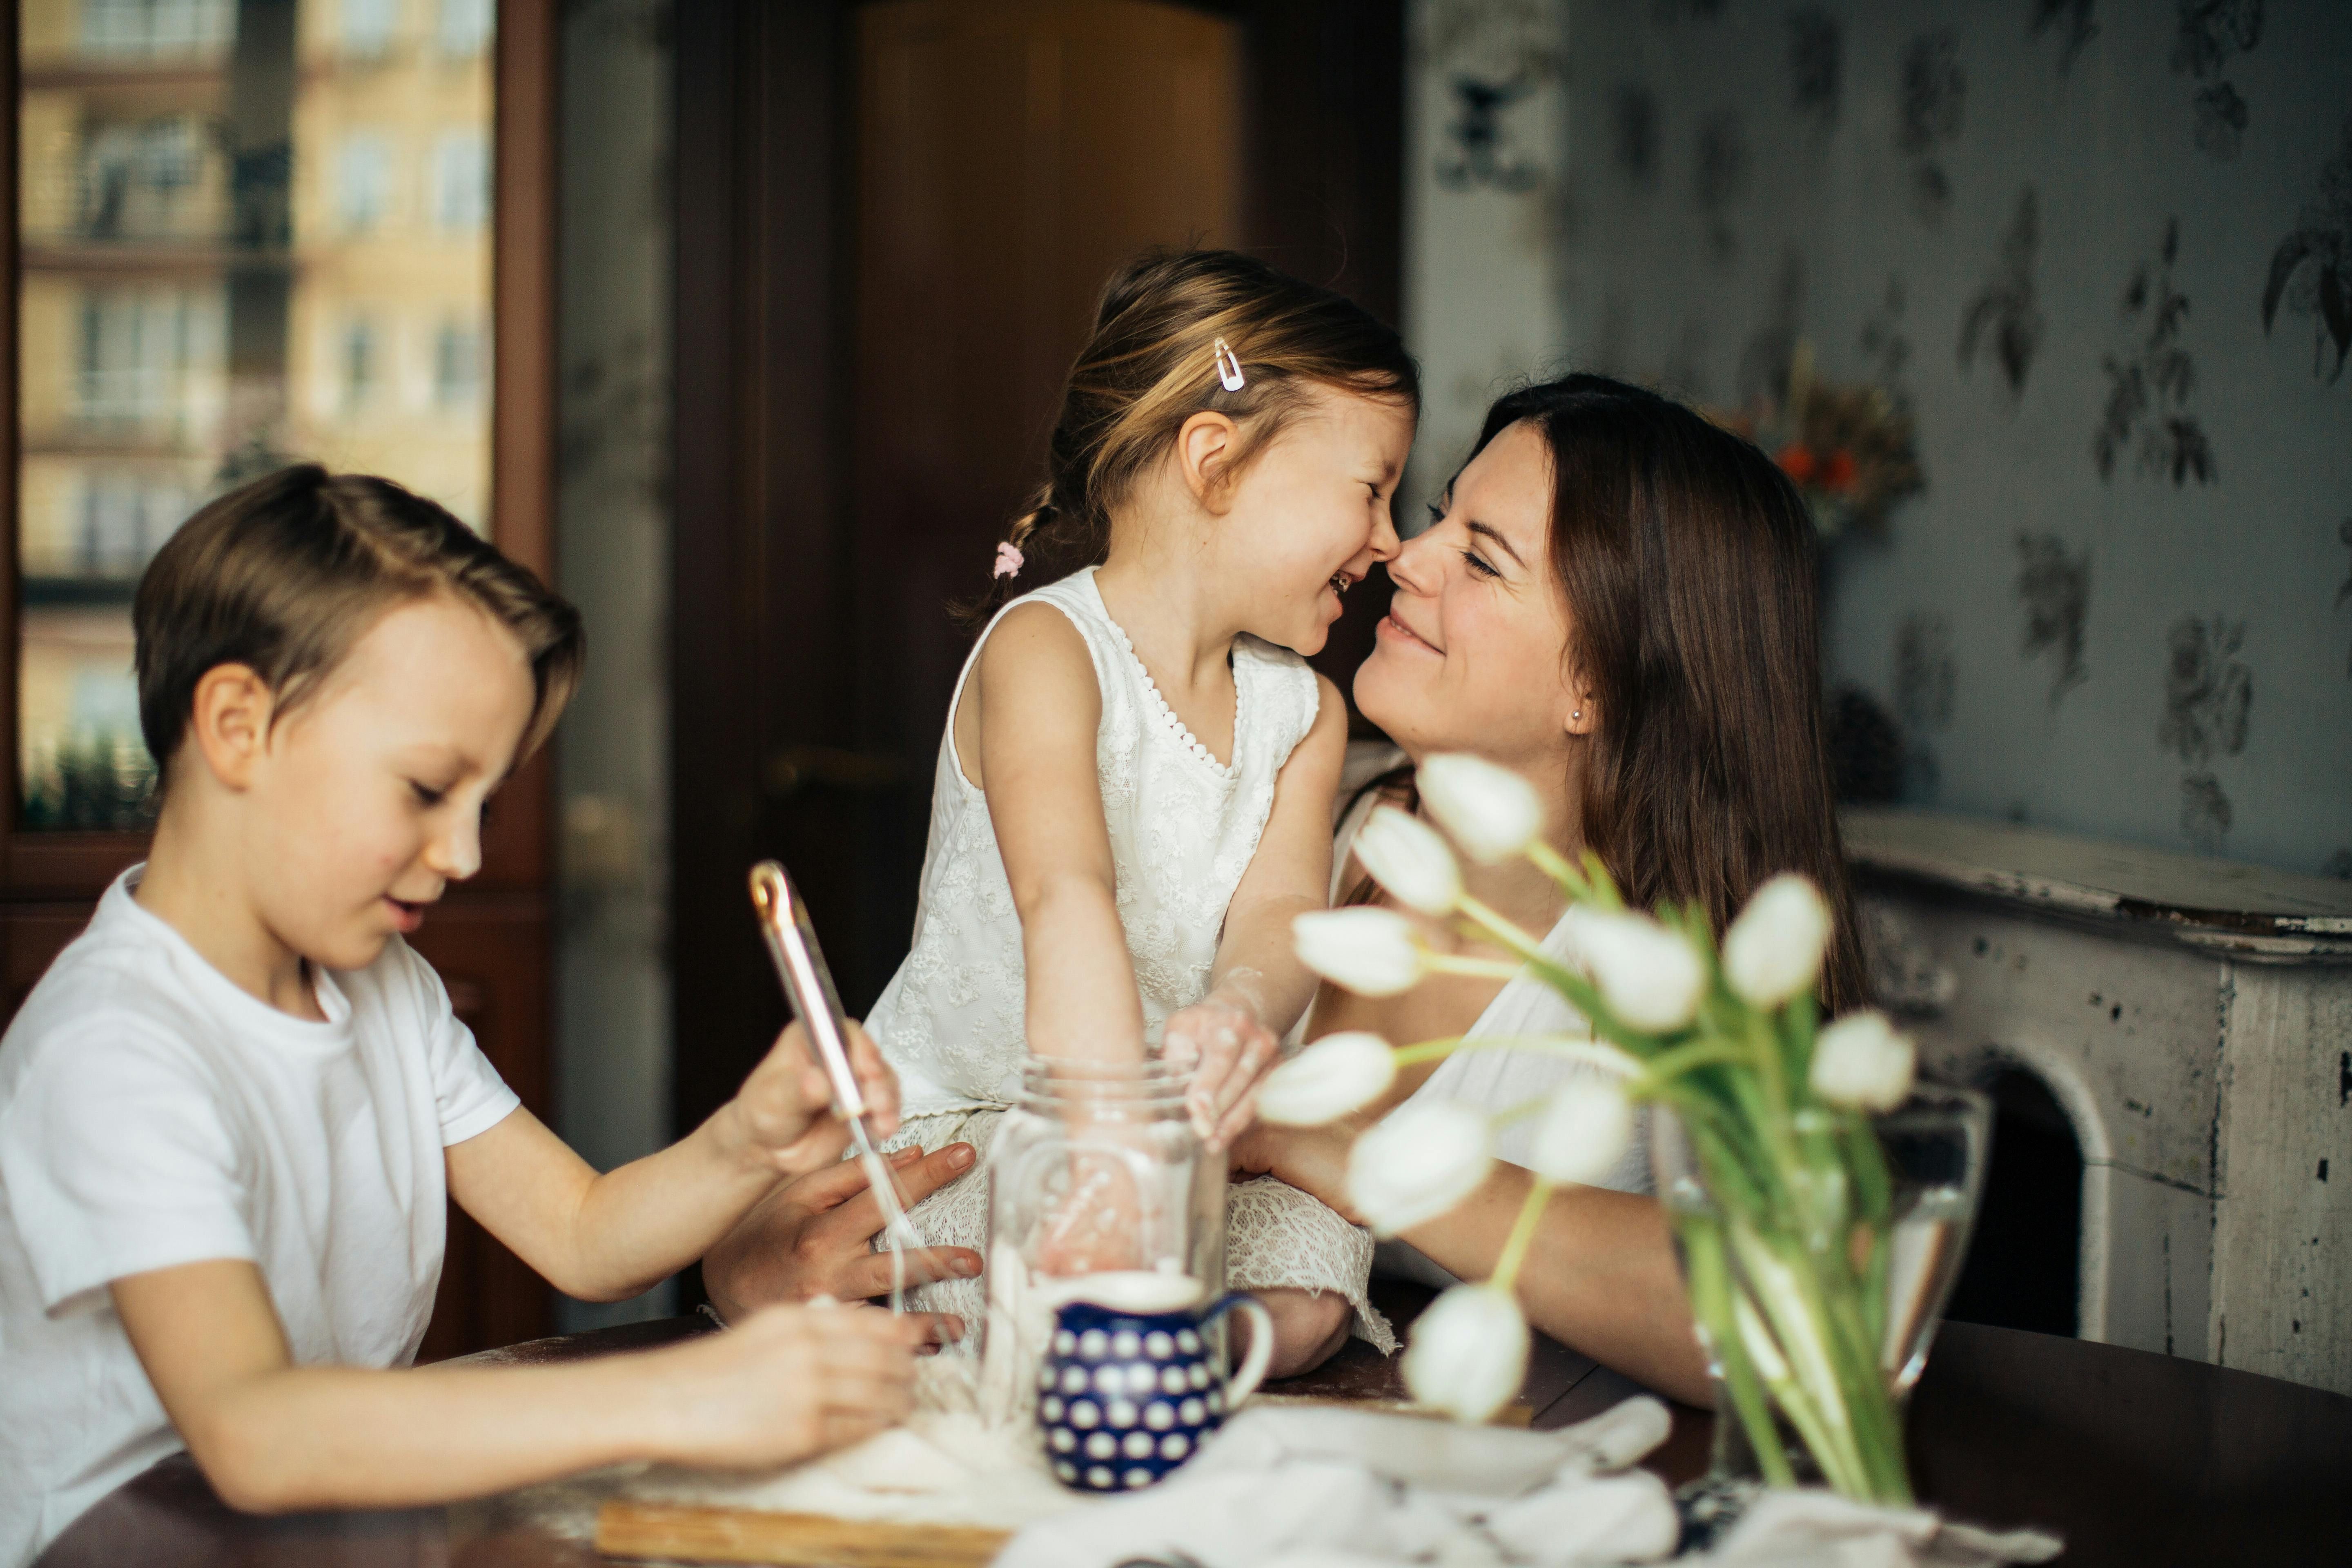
1384	543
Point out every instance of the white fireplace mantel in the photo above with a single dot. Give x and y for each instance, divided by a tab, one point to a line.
2194	1019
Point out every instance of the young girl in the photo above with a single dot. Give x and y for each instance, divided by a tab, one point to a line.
1133	795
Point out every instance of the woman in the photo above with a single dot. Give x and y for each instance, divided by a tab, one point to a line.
1617	601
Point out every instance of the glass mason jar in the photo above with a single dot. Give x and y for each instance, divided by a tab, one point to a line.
1816	1297
1096	1175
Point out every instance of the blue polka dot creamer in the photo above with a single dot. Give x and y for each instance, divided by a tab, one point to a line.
1125	1396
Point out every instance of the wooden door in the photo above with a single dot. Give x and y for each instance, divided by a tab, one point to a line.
894	220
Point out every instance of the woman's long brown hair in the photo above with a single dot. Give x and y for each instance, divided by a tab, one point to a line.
1688	562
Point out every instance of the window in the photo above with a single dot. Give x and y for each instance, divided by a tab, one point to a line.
148	356
368	27
150	28
465	30
170	205
362	363
457	367
362	181
461	181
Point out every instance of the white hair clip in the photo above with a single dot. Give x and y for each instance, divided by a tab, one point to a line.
1229	369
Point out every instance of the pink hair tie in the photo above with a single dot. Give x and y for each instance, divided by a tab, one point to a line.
1008	561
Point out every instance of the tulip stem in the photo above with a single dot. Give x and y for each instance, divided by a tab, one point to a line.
1484	968
1522	1236
1608	1058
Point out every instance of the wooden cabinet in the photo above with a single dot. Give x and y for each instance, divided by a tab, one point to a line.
248	233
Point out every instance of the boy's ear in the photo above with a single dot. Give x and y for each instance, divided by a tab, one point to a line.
1206	446
228	722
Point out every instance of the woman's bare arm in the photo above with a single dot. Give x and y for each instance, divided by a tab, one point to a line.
1601	1275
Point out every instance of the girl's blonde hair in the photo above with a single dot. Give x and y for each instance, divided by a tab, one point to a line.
1152	362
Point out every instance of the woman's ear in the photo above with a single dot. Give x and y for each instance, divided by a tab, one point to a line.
228	722
1205	447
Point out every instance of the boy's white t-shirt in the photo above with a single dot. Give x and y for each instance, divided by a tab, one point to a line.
153	1114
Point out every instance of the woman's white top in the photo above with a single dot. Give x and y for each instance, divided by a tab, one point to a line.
1183	829
1495	1080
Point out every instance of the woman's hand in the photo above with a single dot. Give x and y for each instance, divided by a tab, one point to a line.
1228	1051
785	1384
814	1238
783	1114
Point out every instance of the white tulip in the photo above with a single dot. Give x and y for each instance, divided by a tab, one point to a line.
1861	1061
1373	953
1586	1125
1469	1352
1406	856
1773	951
1650	978
1417	1163
1492	812
1335	1074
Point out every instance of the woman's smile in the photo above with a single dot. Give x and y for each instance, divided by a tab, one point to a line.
1393	626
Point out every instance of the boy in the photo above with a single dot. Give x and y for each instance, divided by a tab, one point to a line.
231	1110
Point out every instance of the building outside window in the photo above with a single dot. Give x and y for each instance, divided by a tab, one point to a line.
465	28
368	27
461	179
457	367
362	181
156	28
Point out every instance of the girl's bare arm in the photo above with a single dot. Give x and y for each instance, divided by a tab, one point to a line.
271	1437
1038	709
1258	988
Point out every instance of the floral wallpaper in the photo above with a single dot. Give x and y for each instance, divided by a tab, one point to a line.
2102	254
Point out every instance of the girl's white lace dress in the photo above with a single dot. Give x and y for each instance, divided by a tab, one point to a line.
1183	830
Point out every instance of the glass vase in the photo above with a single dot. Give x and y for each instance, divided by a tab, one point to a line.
1097	1191
1819	1256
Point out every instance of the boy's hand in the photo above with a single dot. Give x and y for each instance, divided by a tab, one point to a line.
783	1113
788	1383
1229	1053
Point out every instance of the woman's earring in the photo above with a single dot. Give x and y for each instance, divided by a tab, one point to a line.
1578	714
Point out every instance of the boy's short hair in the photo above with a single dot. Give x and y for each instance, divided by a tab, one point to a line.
285	574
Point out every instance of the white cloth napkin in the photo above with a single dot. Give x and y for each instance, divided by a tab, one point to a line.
1324	1487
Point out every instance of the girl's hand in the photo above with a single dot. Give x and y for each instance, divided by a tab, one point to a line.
783	1113
787	1382
1228	1052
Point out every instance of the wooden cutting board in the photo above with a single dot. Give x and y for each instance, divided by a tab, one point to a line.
684	1533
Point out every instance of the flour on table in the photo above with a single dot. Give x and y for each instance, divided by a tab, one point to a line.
943	1466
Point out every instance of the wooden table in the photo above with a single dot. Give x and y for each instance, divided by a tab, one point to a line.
2135	1459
